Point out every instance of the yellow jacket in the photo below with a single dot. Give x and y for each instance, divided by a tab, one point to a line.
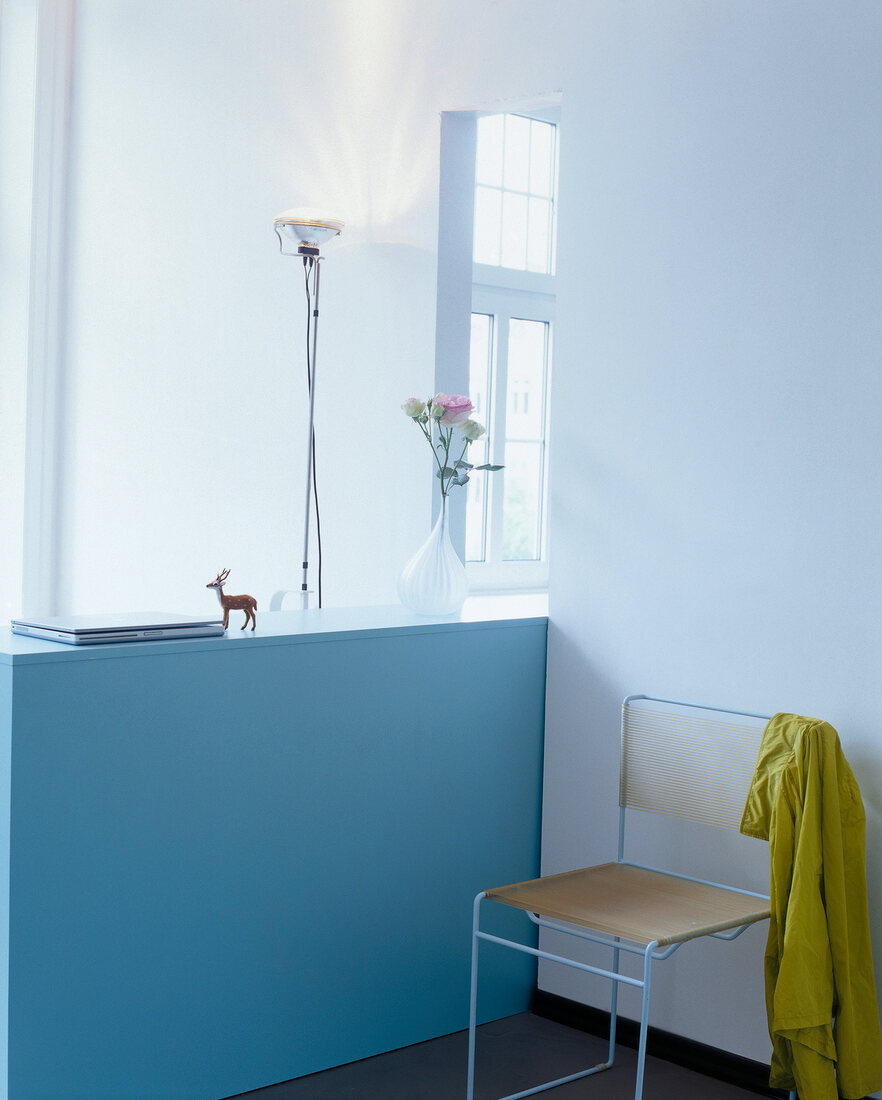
820	991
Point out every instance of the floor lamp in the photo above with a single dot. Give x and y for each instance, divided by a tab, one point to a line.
301	234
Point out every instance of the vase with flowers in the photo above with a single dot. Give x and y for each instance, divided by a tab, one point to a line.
434	580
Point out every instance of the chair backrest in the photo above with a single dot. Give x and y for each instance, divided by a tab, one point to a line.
687	761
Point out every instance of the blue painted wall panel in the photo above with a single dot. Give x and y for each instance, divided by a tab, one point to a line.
234	866
5	754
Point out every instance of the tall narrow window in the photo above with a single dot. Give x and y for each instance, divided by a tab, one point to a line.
513	297
514	193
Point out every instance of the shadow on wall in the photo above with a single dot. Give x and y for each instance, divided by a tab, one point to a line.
583	708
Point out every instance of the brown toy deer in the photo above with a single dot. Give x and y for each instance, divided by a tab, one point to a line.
248	604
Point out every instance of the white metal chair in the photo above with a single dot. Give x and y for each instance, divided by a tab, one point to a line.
679	760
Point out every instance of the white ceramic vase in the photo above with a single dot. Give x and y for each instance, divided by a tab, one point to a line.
434	580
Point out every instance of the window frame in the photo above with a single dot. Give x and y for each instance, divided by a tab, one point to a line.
504	304
506	294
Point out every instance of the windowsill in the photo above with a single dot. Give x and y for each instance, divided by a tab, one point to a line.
489	580
481	605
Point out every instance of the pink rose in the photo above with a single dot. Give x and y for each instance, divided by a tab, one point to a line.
456	407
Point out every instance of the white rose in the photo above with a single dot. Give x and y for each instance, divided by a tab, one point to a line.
472	430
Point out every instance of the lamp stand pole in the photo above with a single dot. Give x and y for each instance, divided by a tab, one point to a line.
310	263
301	233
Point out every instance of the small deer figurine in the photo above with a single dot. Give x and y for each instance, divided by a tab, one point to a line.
248	604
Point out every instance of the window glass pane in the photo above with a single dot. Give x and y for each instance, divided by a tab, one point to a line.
541	158
539	235
522	516
488	218
514	230
527	342
480	359
477	490
476	518
517	153
488	166
514	200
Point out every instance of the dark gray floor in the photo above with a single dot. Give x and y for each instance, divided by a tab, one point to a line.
513	1054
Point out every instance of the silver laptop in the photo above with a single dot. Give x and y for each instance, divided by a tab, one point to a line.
124	627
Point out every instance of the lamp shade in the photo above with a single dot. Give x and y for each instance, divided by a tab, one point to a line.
302	232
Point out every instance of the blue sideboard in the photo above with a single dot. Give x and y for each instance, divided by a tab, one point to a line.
233	861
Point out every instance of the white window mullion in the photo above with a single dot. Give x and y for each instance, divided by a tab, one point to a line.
543	494
497	441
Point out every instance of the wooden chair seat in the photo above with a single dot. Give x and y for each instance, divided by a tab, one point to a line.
636	904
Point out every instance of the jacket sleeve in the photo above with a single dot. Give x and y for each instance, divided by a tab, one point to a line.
856	1014
799	966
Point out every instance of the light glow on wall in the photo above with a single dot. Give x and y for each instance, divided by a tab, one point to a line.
377	162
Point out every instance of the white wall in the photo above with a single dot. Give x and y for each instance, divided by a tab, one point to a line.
717	529
715	522
192	125
17	94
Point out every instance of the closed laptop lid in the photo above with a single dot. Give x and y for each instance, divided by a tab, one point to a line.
110	623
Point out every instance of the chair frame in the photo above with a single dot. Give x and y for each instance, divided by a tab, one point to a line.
651	953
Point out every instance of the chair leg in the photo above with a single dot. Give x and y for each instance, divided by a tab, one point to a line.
473	997
613	1006
477	936
644	1020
